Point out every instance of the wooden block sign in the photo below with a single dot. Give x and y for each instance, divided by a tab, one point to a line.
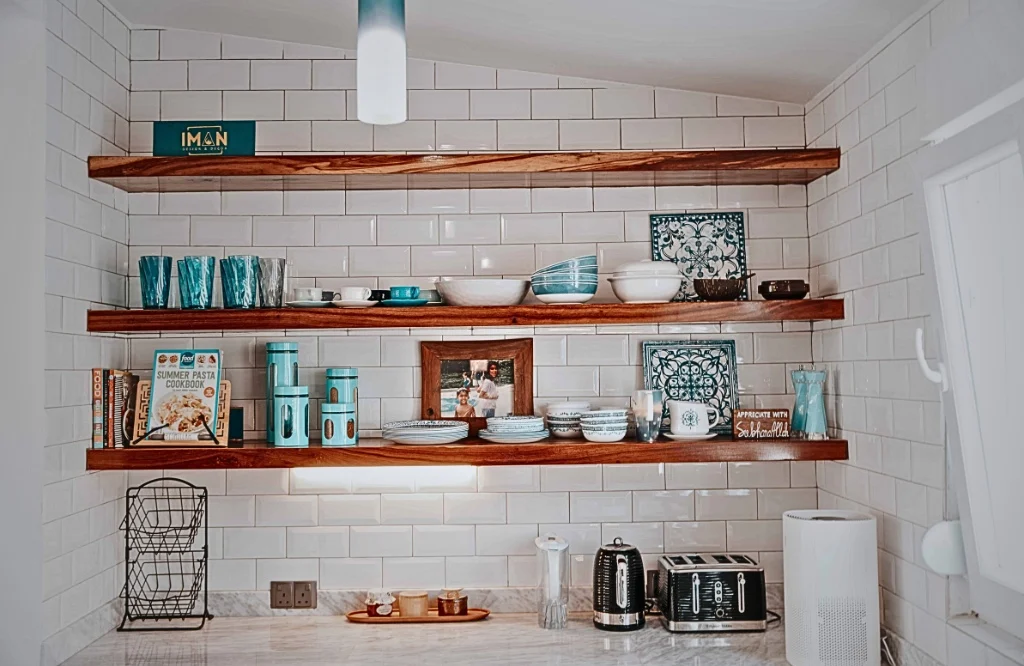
760	424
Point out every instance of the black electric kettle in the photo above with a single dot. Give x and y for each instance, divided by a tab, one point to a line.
619	595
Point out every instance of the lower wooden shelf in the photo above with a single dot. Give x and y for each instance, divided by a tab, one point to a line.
378	452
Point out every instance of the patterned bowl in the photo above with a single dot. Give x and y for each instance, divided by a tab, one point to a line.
720	289
605	437
570	264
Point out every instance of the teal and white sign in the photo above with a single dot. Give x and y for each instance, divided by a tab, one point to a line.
204	137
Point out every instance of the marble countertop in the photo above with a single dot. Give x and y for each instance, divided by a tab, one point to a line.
512	639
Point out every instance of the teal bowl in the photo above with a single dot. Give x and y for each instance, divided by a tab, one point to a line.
564	287
588	260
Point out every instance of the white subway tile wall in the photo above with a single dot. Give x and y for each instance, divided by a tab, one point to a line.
864	246
428	527
86	259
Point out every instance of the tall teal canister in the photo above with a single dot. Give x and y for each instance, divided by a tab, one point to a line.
282	370
338	420
343	386
291	416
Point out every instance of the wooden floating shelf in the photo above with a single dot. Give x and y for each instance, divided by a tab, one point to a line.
445	316
446	171
373	453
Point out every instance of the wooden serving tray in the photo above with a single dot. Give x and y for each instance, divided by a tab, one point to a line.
473	615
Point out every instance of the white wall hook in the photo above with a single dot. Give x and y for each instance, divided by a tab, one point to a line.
934	376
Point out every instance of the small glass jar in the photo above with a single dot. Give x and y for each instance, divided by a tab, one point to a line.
379	603
338	424
291	416
282	370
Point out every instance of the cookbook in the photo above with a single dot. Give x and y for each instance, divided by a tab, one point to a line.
185	393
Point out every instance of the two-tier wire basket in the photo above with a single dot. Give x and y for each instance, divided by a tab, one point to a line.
165	557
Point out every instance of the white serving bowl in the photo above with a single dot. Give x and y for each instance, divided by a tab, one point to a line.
646	289
482	291
648	267
604	437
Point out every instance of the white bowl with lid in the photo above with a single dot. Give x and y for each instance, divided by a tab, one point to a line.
647	267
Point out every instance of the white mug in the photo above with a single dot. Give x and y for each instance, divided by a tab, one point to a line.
691	418
355	293
308	293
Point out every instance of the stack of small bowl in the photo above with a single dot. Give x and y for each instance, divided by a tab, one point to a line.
564	418
605	425
569	281
514	429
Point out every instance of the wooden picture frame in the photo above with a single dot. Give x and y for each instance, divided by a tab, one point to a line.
435	354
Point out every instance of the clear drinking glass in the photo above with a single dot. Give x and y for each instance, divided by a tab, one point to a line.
648	408
272	274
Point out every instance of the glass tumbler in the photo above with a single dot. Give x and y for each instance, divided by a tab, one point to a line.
272	274
239	276
195	281
648	408
155	280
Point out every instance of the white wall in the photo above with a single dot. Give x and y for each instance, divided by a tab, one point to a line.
373	527
22	116
864	245
86	254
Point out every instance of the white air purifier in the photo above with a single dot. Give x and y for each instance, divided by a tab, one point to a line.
831	582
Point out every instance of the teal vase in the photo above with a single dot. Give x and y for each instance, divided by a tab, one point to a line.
816	425
799	419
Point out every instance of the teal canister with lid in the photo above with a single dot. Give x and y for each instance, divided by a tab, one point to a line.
291	416
338	424
343	386
282	370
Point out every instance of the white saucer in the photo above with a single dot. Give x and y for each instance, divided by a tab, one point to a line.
690	438
308	304
354	304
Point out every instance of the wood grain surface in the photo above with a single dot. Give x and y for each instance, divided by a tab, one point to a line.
483	170
374	453
445	316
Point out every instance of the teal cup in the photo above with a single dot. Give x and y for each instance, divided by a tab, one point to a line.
155	280
195	282
239	277
405	293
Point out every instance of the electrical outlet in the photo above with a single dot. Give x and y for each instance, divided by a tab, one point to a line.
305	594
282	594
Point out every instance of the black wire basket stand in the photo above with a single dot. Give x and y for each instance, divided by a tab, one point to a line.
165	557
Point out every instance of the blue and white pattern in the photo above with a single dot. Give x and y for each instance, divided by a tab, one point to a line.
695	370
705	245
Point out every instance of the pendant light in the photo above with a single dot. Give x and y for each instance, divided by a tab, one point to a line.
380	62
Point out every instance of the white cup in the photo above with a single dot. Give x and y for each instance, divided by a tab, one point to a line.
308	293
691	418
355	293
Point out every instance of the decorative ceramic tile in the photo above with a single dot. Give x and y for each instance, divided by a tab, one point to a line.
705	245
697	370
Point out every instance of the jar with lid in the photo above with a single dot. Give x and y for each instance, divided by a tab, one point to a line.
338	424
282	370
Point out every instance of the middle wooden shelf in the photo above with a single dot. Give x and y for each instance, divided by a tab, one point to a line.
435	316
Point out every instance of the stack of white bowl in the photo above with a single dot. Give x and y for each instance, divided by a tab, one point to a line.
564	418
646	281
514	429
605	425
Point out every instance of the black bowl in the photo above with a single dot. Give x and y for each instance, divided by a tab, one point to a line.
783	290
720	289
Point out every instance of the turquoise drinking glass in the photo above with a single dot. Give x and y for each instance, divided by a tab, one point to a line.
195	282
155	274
239	275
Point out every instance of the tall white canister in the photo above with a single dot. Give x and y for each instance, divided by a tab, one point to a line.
830	561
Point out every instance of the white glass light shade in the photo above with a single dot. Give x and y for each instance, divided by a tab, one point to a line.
380	62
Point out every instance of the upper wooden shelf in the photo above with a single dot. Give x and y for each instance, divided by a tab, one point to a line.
446	171
371	453
444	316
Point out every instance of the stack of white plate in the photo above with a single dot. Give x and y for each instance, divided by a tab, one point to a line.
514	429
564	418
605	425
425	433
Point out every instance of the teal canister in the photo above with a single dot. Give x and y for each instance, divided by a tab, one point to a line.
343	386
291	416
338	424
282	370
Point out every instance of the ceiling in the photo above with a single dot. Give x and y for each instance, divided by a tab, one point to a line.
783	50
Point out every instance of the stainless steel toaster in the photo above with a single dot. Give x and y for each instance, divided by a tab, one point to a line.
711	592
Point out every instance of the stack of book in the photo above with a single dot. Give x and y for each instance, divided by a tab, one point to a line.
113	407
